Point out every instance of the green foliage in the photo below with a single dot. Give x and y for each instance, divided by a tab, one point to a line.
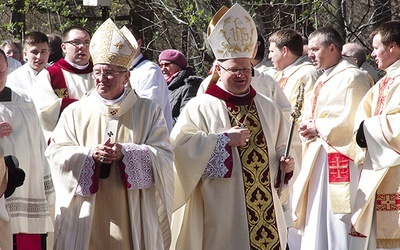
182	24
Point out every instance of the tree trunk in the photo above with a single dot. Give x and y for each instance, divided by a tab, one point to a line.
18	18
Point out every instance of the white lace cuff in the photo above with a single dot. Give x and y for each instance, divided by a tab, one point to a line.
216	167
138	166
85	179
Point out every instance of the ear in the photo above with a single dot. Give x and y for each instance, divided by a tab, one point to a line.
332	48
218	69
127	76
63	47
285	50
392	46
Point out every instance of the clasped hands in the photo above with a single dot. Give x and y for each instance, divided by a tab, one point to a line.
5	129
107	152
308	130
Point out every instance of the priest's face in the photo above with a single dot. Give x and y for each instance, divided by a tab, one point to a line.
276	56
110	80
235	74
384	55
3	71
76	47
37	55
323	57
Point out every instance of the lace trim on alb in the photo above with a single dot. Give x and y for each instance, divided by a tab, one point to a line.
216	165
138	166
85	179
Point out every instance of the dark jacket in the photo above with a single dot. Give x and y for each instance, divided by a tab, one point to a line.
181	89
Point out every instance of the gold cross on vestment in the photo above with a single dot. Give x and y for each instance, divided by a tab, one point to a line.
119	45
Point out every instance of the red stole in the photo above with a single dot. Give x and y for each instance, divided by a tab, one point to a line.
58	82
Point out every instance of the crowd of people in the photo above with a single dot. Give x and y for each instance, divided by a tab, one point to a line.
294	148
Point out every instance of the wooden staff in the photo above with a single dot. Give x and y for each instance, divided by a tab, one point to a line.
295	116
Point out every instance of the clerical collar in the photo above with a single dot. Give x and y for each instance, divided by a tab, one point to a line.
292	65
115	101
136	60
224	95
393	68
76	65
32	72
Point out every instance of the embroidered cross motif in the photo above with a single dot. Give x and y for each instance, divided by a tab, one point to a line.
61	93
282	82
119	45
113	112
110	134
384	86
338	168
315	98
387	202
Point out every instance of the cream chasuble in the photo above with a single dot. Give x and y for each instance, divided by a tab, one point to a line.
378	195
335	99
214	182
301	71
131	208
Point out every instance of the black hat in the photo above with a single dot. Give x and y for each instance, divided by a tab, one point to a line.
16	176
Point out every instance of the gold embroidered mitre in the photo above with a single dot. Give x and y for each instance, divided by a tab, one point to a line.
232	33
110	46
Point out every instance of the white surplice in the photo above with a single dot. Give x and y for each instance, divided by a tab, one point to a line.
29	204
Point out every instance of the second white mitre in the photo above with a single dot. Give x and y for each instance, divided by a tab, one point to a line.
232	33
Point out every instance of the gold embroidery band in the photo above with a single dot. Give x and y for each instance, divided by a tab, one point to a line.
263	229
339	183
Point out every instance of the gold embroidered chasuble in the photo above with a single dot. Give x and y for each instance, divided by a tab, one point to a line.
214	213
263	231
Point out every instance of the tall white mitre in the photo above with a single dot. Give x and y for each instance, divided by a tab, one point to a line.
232	33
109	45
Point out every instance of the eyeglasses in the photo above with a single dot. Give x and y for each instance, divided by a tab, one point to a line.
78	43
107	74
236	71
166	64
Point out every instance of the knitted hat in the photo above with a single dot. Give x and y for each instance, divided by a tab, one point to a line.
175	56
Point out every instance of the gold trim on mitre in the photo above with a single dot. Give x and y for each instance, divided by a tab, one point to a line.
131	38
232	33
110	46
